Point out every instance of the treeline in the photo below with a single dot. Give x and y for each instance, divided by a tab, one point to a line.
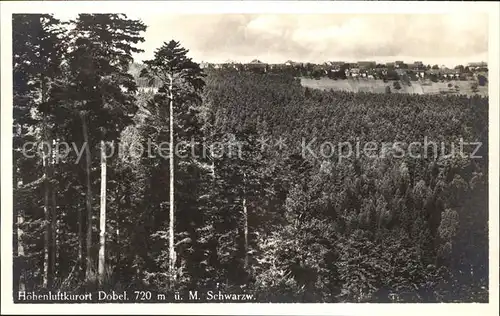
269	220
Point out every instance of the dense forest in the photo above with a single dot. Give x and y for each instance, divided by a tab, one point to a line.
271	220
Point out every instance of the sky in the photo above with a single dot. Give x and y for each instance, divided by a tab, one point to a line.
443	39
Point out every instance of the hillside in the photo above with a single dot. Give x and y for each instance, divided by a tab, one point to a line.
378	86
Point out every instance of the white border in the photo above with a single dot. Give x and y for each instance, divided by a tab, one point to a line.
207	7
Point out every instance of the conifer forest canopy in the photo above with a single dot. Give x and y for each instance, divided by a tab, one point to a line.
271	221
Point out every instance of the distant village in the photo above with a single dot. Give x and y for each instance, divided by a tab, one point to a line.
363	69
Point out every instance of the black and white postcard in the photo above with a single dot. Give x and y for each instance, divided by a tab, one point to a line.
206	157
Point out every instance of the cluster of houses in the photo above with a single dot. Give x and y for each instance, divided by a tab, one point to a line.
362	69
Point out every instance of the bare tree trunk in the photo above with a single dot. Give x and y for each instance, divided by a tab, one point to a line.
102	223
53	220
245	224
46	236
46	191
57	253
171	189
245	216
88	198
46	207
118	241
20	249
80	242
53	230
118	255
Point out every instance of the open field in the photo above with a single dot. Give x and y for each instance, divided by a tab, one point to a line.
379	86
